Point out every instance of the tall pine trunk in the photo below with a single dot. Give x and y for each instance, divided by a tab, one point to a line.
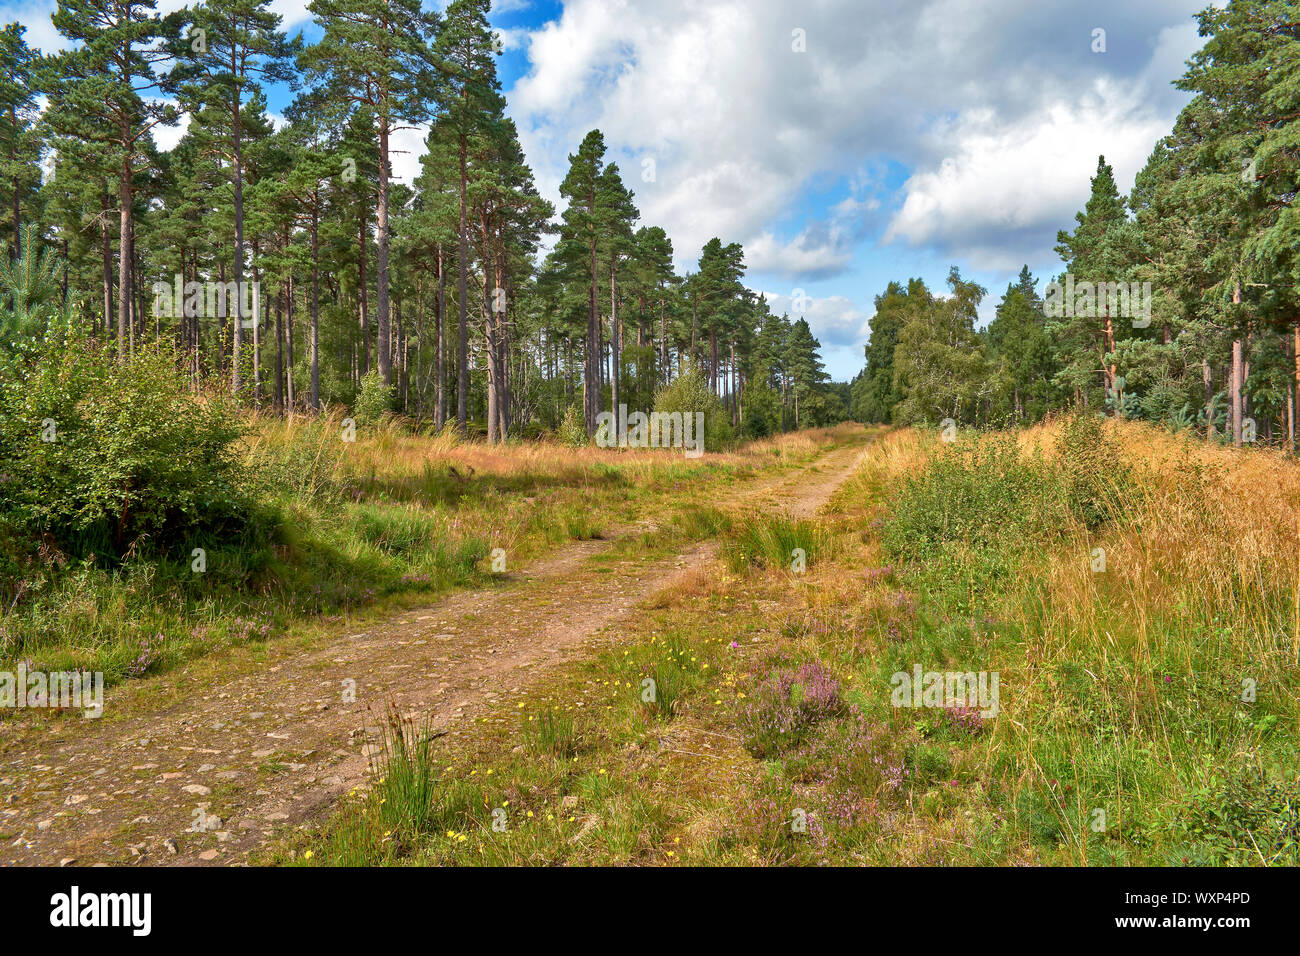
315	307
124	246
615	344
381	260
239	241
364	357
107	251
462	287
440	337
591	371
1236	376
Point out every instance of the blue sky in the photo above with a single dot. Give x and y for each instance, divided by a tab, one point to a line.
844	143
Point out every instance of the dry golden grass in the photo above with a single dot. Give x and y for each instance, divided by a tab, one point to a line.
389	449
1136	672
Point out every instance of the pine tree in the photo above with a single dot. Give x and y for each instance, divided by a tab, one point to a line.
234	46
874	394
376	51
95	96
1098	251
19	143
581	228
465	52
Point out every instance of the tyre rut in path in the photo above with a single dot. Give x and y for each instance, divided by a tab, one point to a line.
273	748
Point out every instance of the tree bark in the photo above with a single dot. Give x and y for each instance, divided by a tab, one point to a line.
1236	376
107	250
440	338
591	371
315	306
364	357
124	246
239	240
462	287
381	266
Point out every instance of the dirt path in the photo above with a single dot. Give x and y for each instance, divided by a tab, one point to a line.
219	763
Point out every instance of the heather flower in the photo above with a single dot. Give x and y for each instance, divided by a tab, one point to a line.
968	719
786	705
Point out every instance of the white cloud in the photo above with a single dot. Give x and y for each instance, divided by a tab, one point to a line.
405	147
516	38
835	320
1003	181
35	16
742	128
168	136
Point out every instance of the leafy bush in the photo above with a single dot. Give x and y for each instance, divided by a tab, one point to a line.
1248	817
980	504
572	430
762	409
689	393
979	496
374	399
97	454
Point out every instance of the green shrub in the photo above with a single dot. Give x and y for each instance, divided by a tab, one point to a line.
689	393
1246	816
984	499
572	430
374	399
98	454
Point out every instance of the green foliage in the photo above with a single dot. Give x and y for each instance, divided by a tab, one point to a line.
27	287
550	733
974	508
98	454
874	393
1023	361
405	775
1095	476
771	542
572	430
1248	816
763	411
374	399
939	363
688	394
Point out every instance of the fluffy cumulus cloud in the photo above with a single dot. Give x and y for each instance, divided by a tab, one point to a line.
1002	183
835	320
1005	186
826	136
975	98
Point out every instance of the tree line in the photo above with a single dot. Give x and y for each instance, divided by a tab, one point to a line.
334	283
1179	303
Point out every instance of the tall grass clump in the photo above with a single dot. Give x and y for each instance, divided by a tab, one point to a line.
776	541
406	781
